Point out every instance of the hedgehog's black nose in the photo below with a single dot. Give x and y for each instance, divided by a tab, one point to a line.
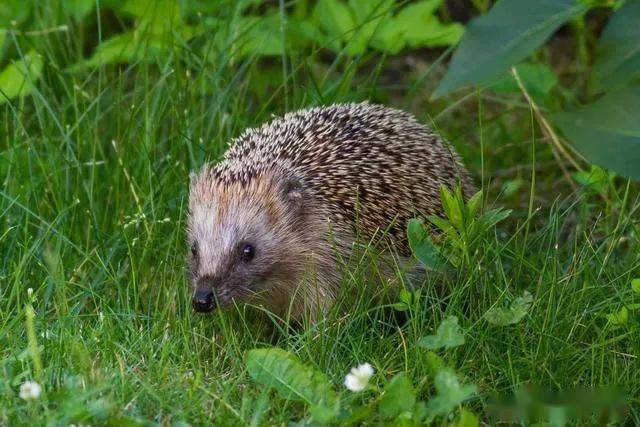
203	301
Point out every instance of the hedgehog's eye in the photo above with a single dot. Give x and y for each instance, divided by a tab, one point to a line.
248	253
194	249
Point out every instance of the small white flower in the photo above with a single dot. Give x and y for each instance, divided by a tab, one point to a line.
358	378
30	390
30	292
46	334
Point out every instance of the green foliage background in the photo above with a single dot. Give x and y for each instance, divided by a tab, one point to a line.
106	106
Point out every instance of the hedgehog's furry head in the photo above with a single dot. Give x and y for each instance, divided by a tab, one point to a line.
248	238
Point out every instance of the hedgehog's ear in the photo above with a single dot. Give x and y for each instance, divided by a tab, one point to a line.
292	192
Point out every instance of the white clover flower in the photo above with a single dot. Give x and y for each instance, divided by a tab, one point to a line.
358	378
30	292
30	390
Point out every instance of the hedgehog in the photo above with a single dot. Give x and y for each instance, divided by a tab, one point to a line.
269	223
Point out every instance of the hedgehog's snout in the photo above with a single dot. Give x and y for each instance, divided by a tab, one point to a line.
211	294
203	300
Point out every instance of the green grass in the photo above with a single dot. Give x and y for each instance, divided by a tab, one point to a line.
94	171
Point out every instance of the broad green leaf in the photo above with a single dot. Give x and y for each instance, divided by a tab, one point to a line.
334	17
607	131
280	370
367	18
419	412
443	225
620	317
450	393
398	397
596	178
435	33
514	313
156	17
635	285
406	296
420	8
126	47
435	363
448	335
473	204
388	37
419	27
416	25
422	247
558	415
400	306
452	206
355	415
504	36
17	79
324	414
467	419
407	299
370	22
261	36
14	12
302	33
538	79
618	51
492	217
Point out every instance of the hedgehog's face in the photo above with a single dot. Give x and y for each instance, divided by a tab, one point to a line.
242	239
